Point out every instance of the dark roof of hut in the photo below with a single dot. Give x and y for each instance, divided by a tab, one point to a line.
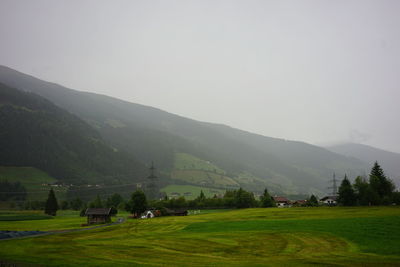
98	211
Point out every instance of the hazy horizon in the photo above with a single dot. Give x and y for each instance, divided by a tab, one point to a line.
322	72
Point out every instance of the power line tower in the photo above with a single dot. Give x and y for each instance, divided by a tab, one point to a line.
152	185
334	186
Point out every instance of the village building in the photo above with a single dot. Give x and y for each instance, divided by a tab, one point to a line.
282	202
300	203
329	200
148	214
151	213
98	215
177	212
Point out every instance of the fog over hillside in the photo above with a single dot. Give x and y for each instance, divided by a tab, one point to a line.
243	159
313	71
389	161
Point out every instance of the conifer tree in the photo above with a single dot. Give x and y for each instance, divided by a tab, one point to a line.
312	201
51	204
138	203
379	183
267	200
347	197
362	190
201	196
244	199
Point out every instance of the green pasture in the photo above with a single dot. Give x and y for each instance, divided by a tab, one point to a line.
9	216
203	178
37	220
194	190
185	161
250	237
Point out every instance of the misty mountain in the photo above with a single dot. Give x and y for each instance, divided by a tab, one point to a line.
252	161
389	161
34	132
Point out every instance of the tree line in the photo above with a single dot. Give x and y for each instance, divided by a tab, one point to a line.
377	190
12	191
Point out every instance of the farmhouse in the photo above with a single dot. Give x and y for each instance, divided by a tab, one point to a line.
300	203
329	200
281	201
148	214
102	215
151	214
178	212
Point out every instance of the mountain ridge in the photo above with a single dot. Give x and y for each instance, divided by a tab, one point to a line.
37	133
151	134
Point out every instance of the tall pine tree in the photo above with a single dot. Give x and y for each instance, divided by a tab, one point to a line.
347	197
51	204
312	201
362	190
267	200
380	184
138	203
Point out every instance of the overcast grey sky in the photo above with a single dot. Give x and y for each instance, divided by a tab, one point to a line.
316	71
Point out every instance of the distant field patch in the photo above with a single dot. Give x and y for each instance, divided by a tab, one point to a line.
12	216
115	123
32	179
190	191
185	161
37	220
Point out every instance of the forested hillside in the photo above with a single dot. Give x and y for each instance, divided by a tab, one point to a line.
250	160
34	132
389	161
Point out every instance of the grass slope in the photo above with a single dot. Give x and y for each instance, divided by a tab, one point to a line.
204	178
184	161
252	237
196	171
32	179
22	216
37	220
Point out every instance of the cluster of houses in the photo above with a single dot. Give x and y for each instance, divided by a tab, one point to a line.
103	215
283	202
151	213
176	194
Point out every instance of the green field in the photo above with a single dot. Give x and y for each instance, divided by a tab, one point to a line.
7	216
251	237
185	161
32	179
203	178
193	170
193	190
37	220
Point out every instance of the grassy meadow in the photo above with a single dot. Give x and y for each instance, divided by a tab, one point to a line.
359	236
184	161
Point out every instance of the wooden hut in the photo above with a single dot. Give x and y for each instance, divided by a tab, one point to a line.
98	215
177	212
